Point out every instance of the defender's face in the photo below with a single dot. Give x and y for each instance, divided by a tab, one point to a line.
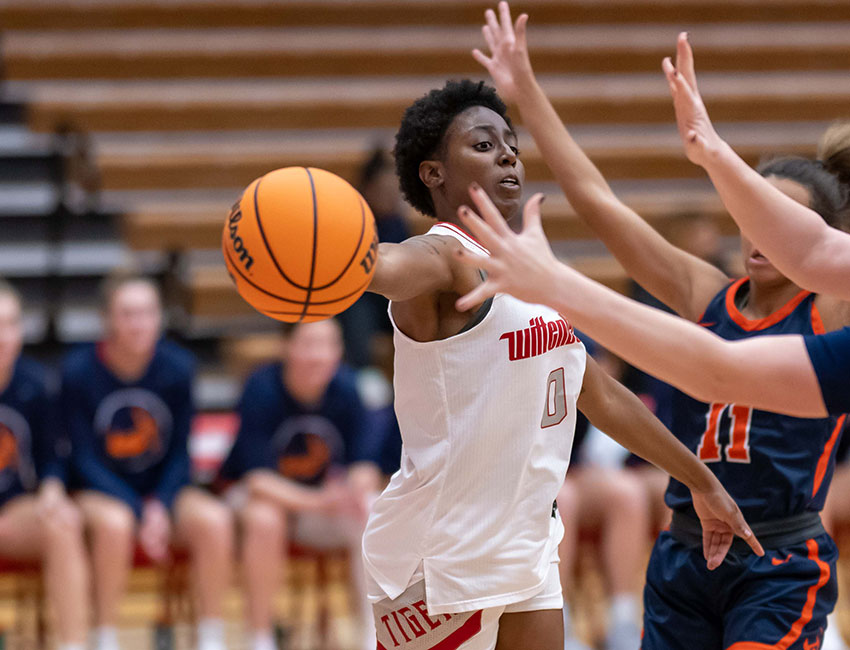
134	318
11	331
758	267
314	353
480	147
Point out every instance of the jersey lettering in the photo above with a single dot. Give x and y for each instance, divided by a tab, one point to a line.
738	449
555	409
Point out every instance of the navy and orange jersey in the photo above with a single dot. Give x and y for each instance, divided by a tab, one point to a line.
29	430
130	439
301	442
773	465
830	356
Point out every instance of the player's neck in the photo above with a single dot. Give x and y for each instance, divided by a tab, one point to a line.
763	300
123	364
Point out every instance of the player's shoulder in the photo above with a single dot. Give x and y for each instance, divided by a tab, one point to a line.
264	382
175	358
34	376
834	312
343	385
79	361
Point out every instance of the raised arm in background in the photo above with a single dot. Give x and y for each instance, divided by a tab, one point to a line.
679	279
795	238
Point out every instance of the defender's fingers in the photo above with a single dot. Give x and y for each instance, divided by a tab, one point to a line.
480	229
685	60
493	23
531	219
520	29
479	294
489	212
489	38
505	20
482	58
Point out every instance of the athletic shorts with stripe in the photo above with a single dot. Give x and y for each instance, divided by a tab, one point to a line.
776	602
404	623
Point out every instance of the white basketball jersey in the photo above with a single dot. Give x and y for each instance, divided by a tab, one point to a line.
487	419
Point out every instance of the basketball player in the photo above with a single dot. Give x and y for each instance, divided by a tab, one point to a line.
461	548
777	468
38	522
127	404
304	452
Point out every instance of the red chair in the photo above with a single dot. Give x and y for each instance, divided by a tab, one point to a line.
27	590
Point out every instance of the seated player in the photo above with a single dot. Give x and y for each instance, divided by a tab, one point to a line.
299	452
601	494
127	402
38	522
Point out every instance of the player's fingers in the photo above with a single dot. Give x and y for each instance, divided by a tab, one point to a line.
480	229
505	20
742	530
722	542
488	211
520	29
531	219
482	58
489	38
685	60
479	294
492	23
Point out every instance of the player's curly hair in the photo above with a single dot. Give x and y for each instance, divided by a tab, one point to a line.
422	129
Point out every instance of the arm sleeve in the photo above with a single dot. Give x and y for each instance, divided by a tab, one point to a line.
250	449
830	356
88	464
176	471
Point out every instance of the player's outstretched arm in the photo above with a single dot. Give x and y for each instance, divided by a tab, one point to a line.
418	266
773	373
680	280
614	409
796	239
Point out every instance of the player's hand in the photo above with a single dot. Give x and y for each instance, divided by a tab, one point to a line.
155	530
53	506
721	520
520	264
508	62
699	138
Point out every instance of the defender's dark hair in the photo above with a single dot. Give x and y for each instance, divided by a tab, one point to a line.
827	178
422	129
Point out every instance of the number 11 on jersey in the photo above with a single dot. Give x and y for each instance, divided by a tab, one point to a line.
738	449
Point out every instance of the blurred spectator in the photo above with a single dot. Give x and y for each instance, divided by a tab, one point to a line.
127	402
601	495
367	318
38	522
304	454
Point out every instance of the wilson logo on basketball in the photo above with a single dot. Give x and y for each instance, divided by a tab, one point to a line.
371	255
238	245
539	338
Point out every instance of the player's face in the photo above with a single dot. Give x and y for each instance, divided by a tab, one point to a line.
11	331
314	353
134	318
758	267
480	147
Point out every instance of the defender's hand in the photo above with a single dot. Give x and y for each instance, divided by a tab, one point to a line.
519	264
508	62
699	138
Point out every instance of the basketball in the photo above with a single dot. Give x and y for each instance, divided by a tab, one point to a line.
300	244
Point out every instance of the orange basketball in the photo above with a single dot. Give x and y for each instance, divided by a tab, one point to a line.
300	244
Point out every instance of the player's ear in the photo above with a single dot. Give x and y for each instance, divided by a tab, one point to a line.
431	173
